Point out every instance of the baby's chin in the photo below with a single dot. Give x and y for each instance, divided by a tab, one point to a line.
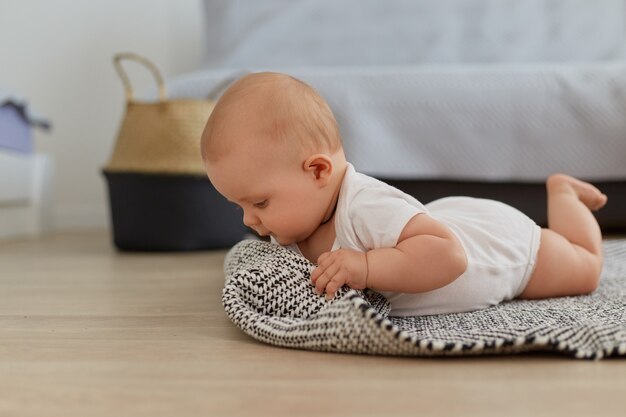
287	240
283	241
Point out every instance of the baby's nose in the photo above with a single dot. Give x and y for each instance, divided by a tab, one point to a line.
250	220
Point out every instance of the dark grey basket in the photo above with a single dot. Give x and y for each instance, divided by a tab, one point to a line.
154	212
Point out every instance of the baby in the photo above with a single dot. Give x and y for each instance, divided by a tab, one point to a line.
272	146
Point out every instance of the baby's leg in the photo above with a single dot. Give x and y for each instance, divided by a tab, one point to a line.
569	261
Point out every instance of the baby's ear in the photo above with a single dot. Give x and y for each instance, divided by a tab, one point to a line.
319	165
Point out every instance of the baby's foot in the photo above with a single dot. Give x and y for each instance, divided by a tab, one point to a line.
590	196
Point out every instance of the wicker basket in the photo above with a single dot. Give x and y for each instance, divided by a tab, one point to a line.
160	196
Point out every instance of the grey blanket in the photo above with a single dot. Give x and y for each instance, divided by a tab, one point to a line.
268	295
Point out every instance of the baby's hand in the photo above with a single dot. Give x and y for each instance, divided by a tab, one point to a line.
343	266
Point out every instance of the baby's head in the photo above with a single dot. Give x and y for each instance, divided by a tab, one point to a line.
272	146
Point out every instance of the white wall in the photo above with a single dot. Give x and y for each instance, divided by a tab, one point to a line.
58	54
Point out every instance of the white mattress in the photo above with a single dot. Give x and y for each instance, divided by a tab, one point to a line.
245	33
493	123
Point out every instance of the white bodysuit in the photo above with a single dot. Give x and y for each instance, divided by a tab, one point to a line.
500	242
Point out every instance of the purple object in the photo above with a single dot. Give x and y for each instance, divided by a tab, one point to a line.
15	132
16	123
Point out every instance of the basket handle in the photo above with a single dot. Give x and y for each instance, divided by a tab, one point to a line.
117	63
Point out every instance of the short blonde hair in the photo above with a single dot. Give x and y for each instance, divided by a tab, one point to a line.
296	115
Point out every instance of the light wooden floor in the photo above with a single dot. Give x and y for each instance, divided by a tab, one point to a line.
88	331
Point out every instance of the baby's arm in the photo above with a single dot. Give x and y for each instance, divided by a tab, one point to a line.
427	256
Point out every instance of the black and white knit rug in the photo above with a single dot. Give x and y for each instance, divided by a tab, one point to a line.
268	295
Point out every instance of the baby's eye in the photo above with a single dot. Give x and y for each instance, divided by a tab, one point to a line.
261	204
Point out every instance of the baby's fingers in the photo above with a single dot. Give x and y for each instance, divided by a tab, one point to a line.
324	278
323	257
315	274
324	262
332	287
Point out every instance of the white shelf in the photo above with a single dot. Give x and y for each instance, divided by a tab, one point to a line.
16	177
25	189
